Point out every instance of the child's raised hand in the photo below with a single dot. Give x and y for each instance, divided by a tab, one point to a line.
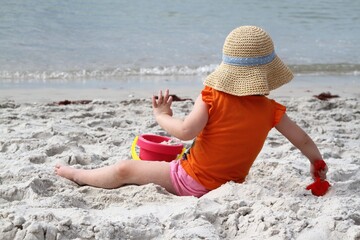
162	104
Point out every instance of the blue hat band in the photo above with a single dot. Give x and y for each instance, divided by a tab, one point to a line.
249	61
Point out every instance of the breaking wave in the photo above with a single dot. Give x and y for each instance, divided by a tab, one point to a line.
119	73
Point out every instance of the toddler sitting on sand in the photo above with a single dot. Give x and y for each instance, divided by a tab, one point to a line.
230	121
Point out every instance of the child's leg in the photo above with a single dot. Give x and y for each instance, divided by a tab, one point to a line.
124	172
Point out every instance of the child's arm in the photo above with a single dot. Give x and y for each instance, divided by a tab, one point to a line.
186	129
301	140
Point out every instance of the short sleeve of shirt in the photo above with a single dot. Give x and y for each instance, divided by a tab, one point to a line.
279	112
207	96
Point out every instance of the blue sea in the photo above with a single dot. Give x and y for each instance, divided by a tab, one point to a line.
114	43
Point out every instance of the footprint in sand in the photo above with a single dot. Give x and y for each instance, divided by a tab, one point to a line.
9	147
37	159
355	186
82	115
121	123
342	175
356	218
54	150
78	159
347	178
12	193
96	123
41	187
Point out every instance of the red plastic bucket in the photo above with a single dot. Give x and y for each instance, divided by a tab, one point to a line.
152	148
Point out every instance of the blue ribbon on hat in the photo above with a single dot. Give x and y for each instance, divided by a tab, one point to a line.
248	61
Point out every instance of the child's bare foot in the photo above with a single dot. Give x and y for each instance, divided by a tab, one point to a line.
68	172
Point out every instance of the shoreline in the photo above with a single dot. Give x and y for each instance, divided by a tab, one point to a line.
184	86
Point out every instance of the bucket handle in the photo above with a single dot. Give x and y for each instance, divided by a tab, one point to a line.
135	156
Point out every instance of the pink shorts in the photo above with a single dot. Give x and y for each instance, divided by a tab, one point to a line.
184	184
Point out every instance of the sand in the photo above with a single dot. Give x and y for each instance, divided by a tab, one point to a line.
272	203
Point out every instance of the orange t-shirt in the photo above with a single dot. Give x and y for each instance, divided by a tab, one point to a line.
232	138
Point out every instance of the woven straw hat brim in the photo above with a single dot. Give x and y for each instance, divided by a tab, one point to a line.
249	80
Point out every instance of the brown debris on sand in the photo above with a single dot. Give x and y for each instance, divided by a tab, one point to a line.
177	99
68	102
325	96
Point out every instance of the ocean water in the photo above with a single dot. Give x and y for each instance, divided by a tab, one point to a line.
117	41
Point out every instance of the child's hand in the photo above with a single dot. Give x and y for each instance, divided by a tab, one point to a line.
162	104
318	169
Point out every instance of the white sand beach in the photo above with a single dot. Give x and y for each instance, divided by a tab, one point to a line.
36	134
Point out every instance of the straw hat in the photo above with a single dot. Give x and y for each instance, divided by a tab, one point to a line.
250	65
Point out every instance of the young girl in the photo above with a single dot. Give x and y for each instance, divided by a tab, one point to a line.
230	121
